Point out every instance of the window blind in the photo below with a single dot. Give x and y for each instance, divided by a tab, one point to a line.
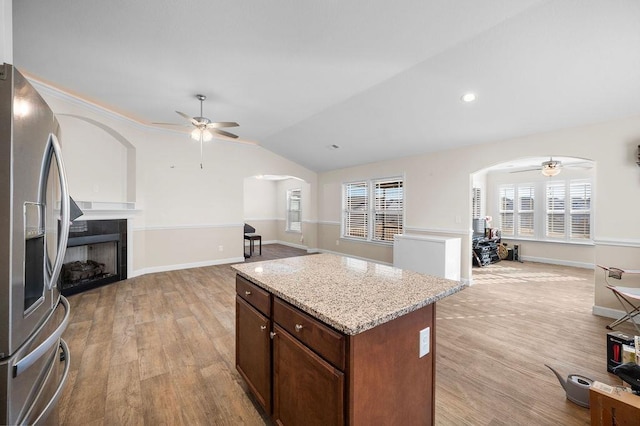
389	207
373	210
356	210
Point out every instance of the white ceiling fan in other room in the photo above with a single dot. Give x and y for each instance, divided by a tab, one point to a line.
553	167
206	130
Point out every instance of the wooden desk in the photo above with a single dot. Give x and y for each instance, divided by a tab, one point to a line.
610	405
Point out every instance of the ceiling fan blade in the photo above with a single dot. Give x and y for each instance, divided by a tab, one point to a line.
191	119
525	170
169	124
222	124
223	133
235	140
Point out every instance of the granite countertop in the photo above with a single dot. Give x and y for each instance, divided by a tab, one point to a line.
351	295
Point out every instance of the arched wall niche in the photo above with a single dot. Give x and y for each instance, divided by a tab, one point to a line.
100	161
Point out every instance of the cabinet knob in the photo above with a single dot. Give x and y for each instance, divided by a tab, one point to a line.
272	334
247	293
263	327
298	327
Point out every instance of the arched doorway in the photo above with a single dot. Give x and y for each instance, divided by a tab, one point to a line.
549	217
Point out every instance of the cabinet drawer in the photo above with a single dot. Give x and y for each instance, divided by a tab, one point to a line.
325	341
257	297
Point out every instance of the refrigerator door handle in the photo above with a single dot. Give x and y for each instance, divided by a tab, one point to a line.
56	395
64	212
44	347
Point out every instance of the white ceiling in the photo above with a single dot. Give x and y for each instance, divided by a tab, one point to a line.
380	79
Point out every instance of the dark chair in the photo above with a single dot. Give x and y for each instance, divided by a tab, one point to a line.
249	234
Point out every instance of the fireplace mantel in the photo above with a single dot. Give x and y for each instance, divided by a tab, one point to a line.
95	210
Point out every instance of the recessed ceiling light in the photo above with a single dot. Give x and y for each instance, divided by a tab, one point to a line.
468	97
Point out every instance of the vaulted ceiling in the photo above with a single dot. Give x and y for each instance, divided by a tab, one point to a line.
379	79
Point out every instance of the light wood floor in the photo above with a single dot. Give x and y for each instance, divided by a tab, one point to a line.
159	349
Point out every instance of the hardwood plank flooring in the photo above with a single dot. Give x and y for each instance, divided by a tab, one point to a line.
160	349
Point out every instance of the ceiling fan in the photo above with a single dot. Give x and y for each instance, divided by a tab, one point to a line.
205	129
553	167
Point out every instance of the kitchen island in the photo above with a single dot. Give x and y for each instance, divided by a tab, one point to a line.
327	339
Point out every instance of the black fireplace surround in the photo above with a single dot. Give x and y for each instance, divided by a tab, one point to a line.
96	255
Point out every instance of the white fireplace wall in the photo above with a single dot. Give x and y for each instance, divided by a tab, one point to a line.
96	163
184	216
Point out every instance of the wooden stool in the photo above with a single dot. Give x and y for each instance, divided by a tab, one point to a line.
253	237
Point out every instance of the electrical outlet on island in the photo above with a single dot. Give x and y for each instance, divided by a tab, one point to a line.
425	341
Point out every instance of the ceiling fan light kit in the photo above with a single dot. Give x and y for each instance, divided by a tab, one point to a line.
204	128
551	168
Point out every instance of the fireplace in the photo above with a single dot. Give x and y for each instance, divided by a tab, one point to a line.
96	255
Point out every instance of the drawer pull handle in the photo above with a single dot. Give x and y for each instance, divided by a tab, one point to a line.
298	327
272	335
263	327
247	293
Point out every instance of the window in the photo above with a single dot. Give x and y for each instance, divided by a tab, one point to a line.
476	203
565	214
580	193
555	210
526	197
507	196
574	211
294	211
373	210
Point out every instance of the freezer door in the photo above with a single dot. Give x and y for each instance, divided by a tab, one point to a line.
38	211
29	379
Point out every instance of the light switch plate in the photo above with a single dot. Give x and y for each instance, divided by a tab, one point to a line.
425	341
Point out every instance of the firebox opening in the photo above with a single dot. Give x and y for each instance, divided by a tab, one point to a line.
96	255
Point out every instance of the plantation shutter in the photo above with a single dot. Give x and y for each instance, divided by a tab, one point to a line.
525	210
580	193
556	210
476	203
507	197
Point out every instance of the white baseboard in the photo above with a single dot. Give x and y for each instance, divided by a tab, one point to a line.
584	265
175	267
601	311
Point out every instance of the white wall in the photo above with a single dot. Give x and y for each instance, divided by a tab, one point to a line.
185	216
6	32
96	162
573	254
260	200
438	196
307	237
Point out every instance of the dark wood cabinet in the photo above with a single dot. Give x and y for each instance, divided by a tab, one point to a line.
253	351
306	372
305	386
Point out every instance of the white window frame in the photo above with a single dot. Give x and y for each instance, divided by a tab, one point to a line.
507	192
360	212
568	207
294	209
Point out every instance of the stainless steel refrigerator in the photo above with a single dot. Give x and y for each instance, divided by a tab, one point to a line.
34	226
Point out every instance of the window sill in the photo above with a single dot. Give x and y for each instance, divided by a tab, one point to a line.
588	243
359	240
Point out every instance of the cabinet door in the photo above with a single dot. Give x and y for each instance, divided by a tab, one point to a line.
306	389
253	356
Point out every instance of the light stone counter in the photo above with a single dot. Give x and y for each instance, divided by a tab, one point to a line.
349	294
